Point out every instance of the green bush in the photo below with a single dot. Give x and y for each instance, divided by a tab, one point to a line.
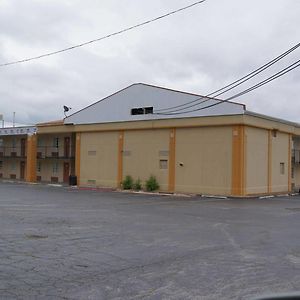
152	184
137	185
127	183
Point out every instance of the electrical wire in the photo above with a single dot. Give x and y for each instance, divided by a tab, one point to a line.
228	87
103	37
271	78
282	72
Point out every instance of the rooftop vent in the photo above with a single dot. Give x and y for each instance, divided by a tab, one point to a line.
142	110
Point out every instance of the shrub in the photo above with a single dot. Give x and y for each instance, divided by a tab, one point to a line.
127	183
137	184
152	184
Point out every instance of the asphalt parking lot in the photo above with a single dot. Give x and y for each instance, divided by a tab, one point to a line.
63	243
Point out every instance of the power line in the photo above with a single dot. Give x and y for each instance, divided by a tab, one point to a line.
103	37
228	87
271	78
282	72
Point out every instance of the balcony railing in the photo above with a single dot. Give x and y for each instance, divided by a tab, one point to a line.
11	152
54	152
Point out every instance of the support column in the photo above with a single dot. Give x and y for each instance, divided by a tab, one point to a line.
238	161
77	157
120	158
172	155
270	161
31	158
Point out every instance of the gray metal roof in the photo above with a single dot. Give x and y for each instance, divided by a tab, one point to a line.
262	116
117	107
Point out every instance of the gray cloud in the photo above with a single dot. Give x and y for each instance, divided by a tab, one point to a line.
198	51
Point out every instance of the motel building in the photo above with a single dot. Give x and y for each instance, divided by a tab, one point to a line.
220	150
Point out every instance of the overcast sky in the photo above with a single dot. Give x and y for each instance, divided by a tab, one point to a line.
198	50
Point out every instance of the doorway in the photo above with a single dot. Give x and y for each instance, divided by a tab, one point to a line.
66	172
22	170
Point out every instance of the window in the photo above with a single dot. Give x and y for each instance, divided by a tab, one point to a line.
56	142
142	110
148	110
55	167
13	142
1	164
38	166
163	164
282	168
1	142
137	111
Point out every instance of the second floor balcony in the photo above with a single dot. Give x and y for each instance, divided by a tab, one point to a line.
55	152
11	152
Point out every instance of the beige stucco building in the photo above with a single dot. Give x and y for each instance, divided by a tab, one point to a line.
220	150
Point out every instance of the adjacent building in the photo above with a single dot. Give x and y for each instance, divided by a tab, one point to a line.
215	147
16	157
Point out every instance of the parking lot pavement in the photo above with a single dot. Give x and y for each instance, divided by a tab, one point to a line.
63	243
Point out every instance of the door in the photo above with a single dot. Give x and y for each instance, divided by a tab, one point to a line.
22	170
23	142
66	172
67	147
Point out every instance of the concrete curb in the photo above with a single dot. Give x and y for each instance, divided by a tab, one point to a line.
107	189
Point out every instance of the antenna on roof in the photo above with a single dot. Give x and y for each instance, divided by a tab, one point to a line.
66	109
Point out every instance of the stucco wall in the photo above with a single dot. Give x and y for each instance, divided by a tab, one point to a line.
143	150
203	159
256	160
99	159
206	158
280	154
